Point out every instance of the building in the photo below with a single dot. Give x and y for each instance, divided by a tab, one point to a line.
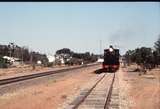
13	61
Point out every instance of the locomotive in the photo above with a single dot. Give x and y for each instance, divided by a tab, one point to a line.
111	60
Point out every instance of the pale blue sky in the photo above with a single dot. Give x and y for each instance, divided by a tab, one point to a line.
47	27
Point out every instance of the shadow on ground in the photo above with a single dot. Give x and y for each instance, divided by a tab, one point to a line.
99	71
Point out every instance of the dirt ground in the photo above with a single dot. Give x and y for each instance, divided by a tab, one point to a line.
47	96
143	90
136	91
25	70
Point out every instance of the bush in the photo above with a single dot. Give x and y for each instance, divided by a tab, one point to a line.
50	64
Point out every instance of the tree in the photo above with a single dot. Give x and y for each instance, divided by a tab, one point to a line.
140	55
157	51
75	58
130	56
157	45
64	51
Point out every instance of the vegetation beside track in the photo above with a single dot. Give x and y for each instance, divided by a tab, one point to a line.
146	57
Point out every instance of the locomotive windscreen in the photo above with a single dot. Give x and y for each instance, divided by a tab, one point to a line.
111	57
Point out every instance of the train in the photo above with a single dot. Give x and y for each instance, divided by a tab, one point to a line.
111	61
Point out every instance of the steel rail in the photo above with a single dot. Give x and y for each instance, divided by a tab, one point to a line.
106	106
85	96
82	99
31	76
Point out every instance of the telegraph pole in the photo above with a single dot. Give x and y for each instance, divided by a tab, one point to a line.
22	55
100	47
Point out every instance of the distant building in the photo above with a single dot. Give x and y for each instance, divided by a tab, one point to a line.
100	60
51	58
14	61
63	58
39	62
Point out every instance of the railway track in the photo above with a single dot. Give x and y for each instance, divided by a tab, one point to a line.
96	95
31	76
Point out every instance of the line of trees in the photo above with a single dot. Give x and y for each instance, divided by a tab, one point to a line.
145	56
23	53
76	58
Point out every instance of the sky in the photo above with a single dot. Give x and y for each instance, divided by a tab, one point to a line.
80	26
